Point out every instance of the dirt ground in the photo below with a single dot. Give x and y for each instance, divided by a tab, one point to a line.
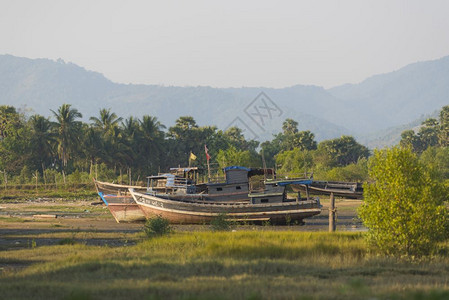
48	222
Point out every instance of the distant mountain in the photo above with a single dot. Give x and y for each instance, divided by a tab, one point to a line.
392	136
42	84
374	105
398	97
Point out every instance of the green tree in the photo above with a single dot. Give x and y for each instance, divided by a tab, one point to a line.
444	126
93	146
130	130
150	143
436	160
15	151
290	126
10	120
235	137
67	131
342	151
234	157
295	161
106	122
428	135
305	140
410	140
357	172
291	138
186	136
270	151
403	208
42	141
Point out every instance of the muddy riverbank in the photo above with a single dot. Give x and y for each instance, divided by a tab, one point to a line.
40	222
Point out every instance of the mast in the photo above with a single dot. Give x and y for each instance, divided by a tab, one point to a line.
264	167
207	159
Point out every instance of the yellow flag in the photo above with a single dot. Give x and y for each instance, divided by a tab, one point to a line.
192	156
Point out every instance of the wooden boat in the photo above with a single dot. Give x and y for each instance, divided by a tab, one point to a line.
350	190
122	205
119	201
267	204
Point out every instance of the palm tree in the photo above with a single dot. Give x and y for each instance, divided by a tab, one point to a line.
290	126
130	134
93	146
120	153
130	127
42	140
106	122
150	140
67	130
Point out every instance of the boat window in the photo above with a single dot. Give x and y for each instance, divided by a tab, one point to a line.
219	189
238	187
263	200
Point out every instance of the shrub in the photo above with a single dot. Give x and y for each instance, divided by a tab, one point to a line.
221	223
352	172
403	210
157	226
77	177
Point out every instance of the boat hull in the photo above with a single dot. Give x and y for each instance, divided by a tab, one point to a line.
180	212
126	212
119	201
123	208
344	190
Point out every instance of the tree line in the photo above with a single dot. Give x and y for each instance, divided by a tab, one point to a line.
114	148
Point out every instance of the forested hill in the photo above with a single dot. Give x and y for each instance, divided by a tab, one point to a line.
376	104
398	97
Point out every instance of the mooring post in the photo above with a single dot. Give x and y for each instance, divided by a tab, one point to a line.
332	210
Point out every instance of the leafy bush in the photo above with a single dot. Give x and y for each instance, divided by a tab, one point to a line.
352	172
24	177
157	226
53	176
221	223
78	177
403	210
104	173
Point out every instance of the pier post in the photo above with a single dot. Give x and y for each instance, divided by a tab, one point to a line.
332	210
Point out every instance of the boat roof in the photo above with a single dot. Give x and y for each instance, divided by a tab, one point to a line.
251	171
162	176
186	169
284	182
236	168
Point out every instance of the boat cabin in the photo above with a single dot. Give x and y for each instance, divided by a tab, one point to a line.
235	187
170	184
271	193
274	191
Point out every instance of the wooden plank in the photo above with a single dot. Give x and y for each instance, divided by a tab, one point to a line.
45	216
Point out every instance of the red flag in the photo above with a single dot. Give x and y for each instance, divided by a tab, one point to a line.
207	154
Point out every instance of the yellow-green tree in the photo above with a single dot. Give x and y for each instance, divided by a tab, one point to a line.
234	157
403	208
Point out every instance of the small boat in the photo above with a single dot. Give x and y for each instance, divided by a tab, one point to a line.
268	203
122	205
350	190
119	201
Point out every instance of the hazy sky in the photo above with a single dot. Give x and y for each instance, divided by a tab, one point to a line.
229	43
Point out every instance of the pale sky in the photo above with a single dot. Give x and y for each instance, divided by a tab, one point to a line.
229	43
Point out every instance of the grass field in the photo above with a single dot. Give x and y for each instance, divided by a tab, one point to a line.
220	265
85	254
